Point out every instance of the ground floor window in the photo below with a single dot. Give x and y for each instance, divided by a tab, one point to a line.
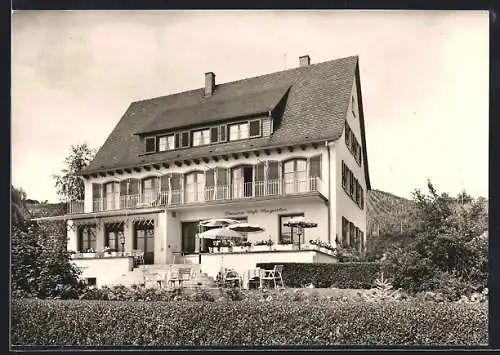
288	235
87	240
352	236
144	240
112	236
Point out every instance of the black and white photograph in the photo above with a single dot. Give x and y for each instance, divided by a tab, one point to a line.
249	179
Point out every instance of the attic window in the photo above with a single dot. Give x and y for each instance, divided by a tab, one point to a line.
150	144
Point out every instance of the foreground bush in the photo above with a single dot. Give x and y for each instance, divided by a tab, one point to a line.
250	322
339	275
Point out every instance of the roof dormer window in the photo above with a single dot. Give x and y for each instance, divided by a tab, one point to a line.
166	143
238	131
201	137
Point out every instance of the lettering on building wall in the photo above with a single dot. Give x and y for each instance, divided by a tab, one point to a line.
255	211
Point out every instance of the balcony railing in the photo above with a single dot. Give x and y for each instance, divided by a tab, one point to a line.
195	193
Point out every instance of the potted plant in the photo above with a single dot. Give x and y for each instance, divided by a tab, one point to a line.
286	245
260	245
90	253
247	245
107	251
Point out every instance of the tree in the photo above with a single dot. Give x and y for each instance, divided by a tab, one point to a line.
69	184
448	251
40	264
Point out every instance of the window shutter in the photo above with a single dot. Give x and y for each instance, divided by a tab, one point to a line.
254	128
214	134
123	188
150	144
260	171
185	139
133	187
164	183
96	190
222	133
210	178
273	170
315	166
177	140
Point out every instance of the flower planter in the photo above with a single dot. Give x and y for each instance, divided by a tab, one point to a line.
284	247
89	255
261	248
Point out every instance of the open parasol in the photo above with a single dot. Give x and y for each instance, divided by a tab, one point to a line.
300	222
217	222
246	227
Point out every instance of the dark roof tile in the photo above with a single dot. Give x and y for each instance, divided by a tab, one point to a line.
315	108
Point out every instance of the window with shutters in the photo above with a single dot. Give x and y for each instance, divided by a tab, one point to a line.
260	171
194	186
210	184
150	190
273	178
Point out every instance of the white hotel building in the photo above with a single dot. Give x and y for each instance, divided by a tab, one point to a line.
262	149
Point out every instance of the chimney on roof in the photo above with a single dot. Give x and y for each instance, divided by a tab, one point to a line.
305	61
209	83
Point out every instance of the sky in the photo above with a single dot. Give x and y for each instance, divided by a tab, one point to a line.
424	81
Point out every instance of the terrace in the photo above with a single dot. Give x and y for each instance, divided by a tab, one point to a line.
195	193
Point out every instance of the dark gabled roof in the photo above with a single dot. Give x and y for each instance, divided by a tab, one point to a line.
314	110
222	106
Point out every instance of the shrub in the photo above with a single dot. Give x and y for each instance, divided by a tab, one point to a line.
270	323
339	275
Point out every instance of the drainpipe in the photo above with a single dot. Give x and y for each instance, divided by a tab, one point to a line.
329	194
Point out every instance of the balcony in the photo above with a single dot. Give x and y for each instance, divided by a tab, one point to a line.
199	194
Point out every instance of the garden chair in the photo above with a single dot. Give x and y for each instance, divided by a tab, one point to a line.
232	278
173	278
273	275
139	256
185	274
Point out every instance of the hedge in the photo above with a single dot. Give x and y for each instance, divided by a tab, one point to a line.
246	323
340	275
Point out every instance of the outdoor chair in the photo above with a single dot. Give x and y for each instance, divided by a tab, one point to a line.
233	279
185	274
173	278
139	257
273	275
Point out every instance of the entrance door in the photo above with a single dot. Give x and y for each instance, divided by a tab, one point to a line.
144	239
189	230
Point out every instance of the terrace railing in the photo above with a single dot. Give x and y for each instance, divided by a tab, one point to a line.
196	193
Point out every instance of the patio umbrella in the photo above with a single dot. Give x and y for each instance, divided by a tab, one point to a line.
246	227
218	222
220	234
300	222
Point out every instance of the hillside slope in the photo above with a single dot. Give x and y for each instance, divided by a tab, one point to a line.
387	213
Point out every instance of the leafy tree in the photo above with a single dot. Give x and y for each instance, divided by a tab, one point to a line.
40	264
449	249
69	184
